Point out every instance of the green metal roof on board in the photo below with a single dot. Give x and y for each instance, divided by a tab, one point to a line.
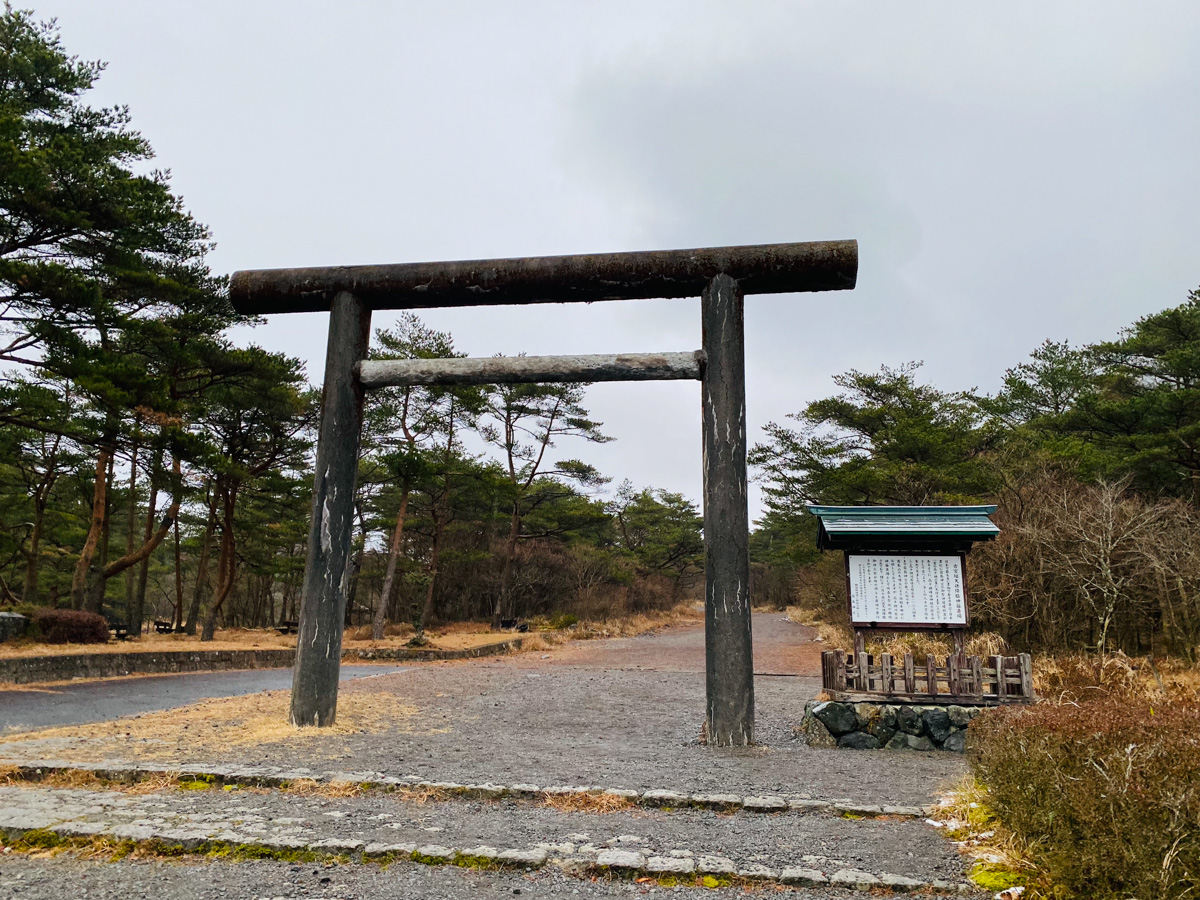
907	520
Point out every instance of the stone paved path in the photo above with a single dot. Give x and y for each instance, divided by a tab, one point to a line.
67	879
616	714
384	823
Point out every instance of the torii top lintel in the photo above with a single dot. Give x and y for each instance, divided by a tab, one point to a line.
758	269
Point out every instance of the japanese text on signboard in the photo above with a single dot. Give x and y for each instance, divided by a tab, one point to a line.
898	590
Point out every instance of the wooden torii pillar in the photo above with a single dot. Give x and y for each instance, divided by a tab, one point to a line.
720	275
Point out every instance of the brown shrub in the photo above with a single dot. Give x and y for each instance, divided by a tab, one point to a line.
1106	794
1082	678
70	626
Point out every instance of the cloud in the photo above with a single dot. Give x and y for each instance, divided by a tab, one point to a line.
1012	172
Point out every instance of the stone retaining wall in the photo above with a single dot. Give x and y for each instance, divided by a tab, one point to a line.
31	669
34	669
12	625
419	653
875	726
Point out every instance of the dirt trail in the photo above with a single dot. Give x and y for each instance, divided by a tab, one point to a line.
781	647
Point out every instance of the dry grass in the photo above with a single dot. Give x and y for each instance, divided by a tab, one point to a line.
590	803
225	639
542	640
452	636
459	636
632	624
1080	677
83	780
420	795
307	787
919	644
213	727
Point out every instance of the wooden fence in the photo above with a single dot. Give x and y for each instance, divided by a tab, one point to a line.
963	680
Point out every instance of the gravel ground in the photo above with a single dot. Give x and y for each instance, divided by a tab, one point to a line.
64	878
616	713
98	701
822	841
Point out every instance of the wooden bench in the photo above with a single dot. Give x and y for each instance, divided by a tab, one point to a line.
163	627
286	627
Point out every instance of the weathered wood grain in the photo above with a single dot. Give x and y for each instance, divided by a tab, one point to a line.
758	269
533	369
323	598
729	665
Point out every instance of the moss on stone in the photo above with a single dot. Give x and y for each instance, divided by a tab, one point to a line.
469	861
992	877
39	839
428	860
121	850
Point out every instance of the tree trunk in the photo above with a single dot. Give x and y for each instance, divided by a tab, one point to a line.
79	580
137	612
41	498
227	567
389	576
120	565
439	529
29	592
202	565
504	599
129	529
355	569
106	530
177	619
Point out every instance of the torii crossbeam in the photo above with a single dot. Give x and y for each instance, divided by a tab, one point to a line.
720	275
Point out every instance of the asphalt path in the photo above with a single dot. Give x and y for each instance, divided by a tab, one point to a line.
98	701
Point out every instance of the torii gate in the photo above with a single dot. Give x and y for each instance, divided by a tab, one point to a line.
720	275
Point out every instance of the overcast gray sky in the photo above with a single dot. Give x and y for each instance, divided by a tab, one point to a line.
1013	172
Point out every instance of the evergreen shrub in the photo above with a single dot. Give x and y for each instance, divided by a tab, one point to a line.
1105	794
70	626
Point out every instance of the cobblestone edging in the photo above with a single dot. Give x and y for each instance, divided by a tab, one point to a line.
38	829
37	669
272	777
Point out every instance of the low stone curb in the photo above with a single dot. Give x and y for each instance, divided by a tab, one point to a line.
416	654
39	669
585	860
271	777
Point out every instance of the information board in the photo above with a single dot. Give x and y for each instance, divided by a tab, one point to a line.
891	590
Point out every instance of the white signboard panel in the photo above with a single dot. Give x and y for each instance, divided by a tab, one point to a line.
906	590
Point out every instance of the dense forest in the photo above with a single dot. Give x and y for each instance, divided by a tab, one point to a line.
1092	455
150	469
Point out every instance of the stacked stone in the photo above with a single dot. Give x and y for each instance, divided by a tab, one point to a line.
874	726
12	626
